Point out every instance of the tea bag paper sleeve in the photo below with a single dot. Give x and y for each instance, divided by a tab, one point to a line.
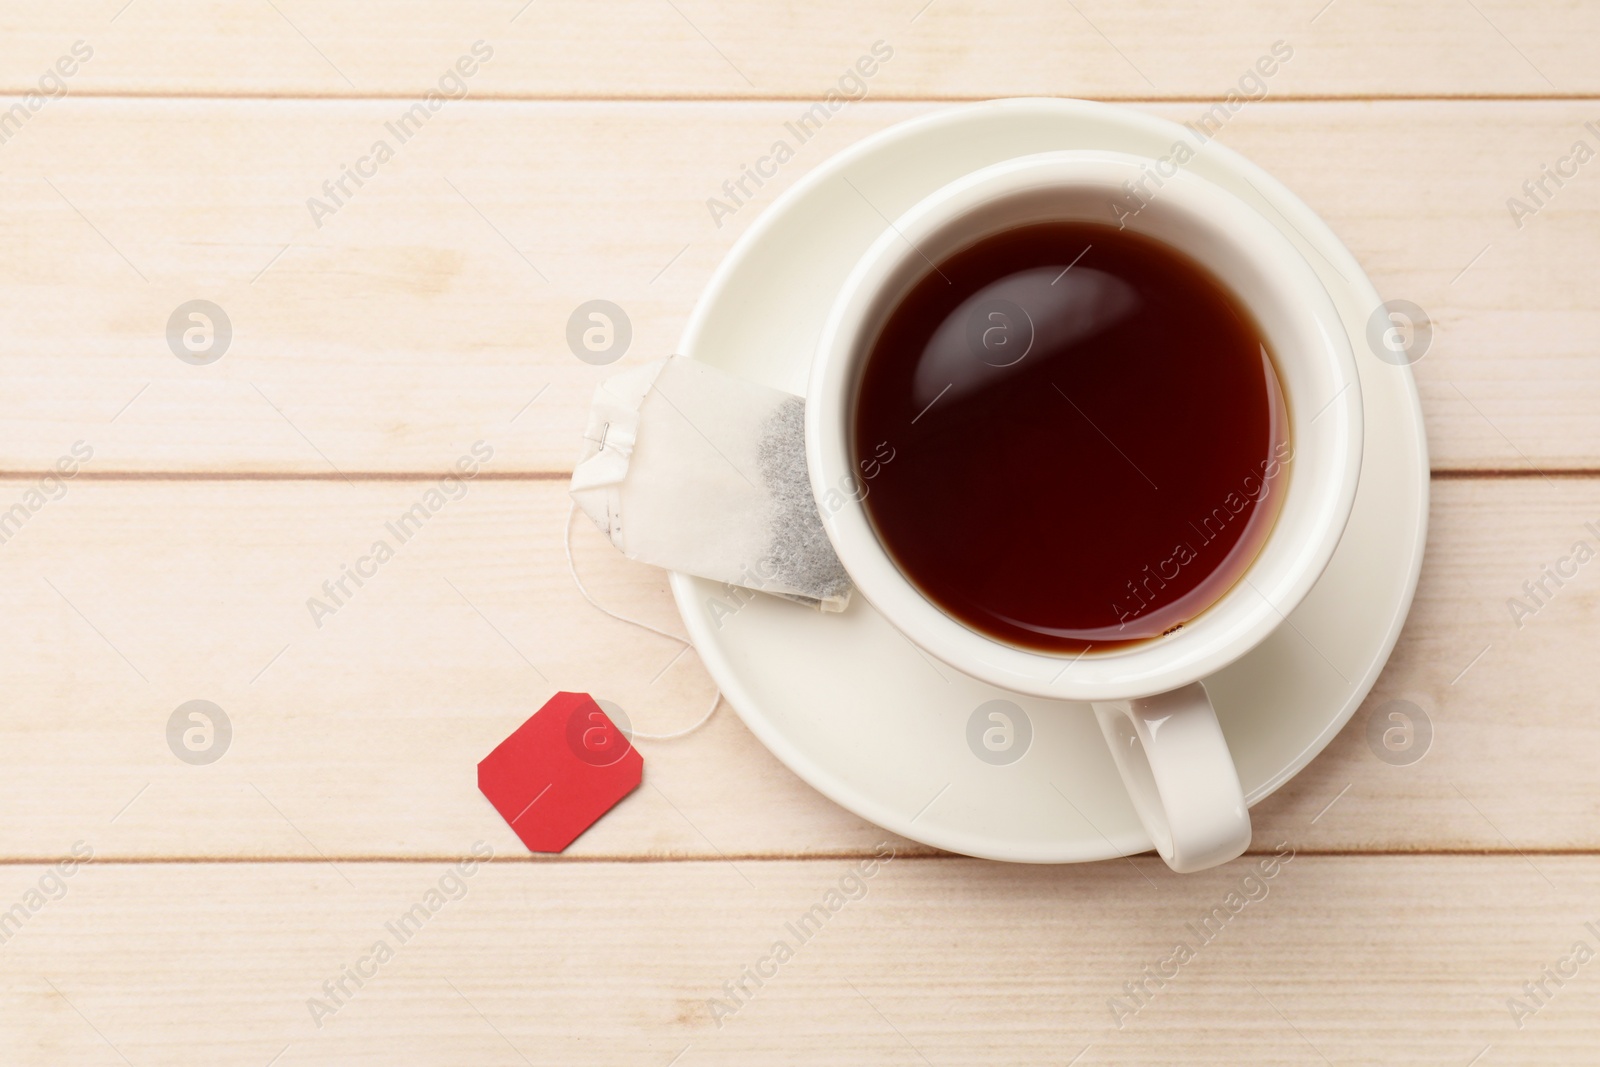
689	468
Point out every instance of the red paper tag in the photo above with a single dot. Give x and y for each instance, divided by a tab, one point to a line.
559	772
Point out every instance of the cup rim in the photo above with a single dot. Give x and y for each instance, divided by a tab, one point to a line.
1213	640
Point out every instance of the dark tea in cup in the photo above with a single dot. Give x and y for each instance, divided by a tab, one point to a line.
1090	439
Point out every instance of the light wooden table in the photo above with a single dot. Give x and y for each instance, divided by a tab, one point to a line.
428	312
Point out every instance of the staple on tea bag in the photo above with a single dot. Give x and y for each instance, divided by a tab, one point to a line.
692	469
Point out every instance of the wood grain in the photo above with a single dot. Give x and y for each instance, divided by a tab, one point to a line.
696	48
428	313
358	738
431	309
1347	960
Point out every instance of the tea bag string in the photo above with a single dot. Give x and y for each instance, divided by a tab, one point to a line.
716	696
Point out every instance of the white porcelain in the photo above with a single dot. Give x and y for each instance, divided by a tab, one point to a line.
1181	778
1178	772
854	708
1263	270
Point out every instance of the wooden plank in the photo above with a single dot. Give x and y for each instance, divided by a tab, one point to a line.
431	309
1505	691
360	737
1372	960
428	314
948	48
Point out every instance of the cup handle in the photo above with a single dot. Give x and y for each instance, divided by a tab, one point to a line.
1176	766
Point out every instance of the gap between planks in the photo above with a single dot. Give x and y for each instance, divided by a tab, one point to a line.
781	98
1454	474
834	856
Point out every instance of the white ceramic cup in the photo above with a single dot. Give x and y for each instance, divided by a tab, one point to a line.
1155	714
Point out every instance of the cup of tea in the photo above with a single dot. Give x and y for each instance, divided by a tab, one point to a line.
1106	428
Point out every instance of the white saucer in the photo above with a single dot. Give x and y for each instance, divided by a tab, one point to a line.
862	715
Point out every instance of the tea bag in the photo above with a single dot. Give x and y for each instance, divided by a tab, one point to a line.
689	468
